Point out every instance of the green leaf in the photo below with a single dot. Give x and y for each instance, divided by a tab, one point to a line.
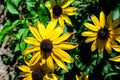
12	8
111	74
17	48
116	12
19	34
22	43
7	28
16	2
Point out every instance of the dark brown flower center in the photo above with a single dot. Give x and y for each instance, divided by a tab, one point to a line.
103	33
46	45
37	74
57	10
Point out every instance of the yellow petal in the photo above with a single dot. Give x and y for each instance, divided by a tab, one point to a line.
101	45
64	56
50	28
26	60
116	59
31	49
35	32
61	21
91	34
25	74
90	39
117	38
77	78
62	38
67	20
24	68
59	62
95	21
71	13
28	78
67	4
66	45
108	46
93	46
69	9
109	18
56	33
91	27
41	29
31	40
116	48
35	58
114	24
102	19
48	5
115	31
50	63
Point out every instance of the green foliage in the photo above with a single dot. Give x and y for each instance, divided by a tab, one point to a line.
23	12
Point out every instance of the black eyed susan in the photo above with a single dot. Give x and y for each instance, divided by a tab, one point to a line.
36	72
59	11
104	33
49	45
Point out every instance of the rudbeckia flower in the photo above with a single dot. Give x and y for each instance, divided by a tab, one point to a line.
59	11
49	45
104	33
36	72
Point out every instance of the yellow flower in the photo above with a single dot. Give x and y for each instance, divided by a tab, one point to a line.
49	45
59	11
81	77
104	33
36	72
117	58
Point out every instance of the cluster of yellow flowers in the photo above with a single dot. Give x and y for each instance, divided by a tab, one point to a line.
49	43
